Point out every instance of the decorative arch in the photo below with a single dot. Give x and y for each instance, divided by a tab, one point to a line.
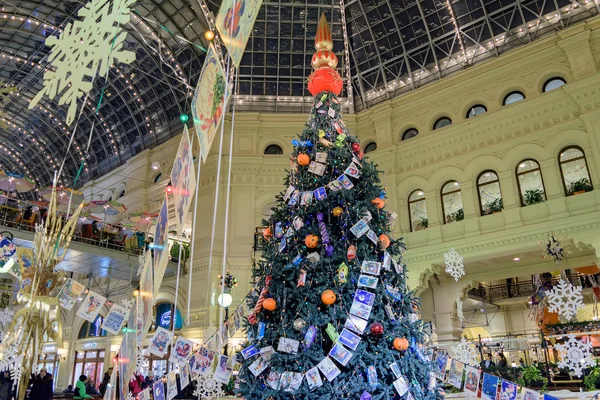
550	71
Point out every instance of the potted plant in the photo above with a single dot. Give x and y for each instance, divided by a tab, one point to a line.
533	196
531	376
424	223
185	252
580	186
494	207
460	215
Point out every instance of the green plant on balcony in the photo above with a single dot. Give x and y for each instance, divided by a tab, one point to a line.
459	215
185	252
581	185
531	376
591	378
493	206
533	196
424	222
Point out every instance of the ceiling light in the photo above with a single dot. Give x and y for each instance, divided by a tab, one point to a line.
516	259
209	35
522	165
155	165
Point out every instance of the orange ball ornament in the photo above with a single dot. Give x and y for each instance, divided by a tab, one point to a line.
267	232
270	304
400	344
385	240
328	297
311	241
303	159
379	203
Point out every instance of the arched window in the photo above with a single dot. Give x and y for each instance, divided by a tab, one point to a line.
122	193
273	149
490	197
370	147
476	110
553	83
417	211
574	170
157	177
452	205
513	97
442	122
92	329
530	182
410	133
163	316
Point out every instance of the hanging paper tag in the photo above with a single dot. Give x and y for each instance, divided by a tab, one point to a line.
389	312
261	330
331	113
302	278
321	157
288	192
342	273
298	223
278	230
386	261
309	336
332	333
372	377
320	193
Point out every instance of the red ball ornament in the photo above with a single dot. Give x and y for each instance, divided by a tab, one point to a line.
325	80
376	329
355	147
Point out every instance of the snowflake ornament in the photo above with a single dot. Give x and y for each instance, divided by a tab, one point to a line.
565	299
576	355
207	387
88	45
16	370
141	362
465	352
454	264
128	304
554	249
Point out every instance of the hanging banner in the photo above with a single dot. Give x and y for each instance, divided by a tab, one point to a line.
7	251
455	373
235	22
508	390
161	245
68	295
528	394
489	388
91	306
472	376
183	179
208	104
115	319
146	294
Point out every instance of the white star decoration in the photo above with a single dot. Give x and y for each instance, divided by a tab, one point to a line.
454	264
565	299
465	351
87	45
207	387
576	355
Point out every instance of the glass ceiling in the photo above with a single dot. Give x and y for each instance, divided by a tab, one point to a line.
394	46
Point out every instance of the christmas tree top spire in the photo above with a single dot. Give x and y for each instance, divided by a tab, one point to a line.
324	78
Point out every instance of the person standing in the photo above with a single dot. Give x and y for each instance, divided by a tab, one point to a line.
488	363
6	386
502	363
42	385
80	392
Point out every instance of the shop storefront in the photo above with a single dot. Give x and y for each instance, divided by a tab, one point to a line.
89	363
49	359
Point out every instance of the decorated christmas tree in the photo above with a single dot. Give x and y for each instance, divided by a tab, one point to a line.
332	316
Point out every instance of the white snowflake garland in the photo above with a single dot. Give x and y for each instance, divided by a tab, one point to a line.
565	299
454	264
576	355
465	352
86	46
141	362
16	370
207	387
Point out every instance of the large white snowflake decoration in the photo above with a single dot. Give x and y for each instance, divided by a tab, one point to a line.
87	45
141	362
576	355
207	387
464	351
554	249
454	264
565	299
15	370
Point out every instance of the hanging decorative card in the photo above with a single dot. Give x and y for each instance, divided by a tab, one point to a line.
181	351
144	394
267	352
548	397
441	361
508	390
261	330
171	385
356	324
91	43
349	339
258	366
160	342
287	345
91	306
249	351
320	193
489	388
329	369
313	378
183	179
210	98
25	259
115	319
360	228
332	333
396	369
472	376
362	304
306	198
288	192
273	380
387	260
184	376
372	377
528	394
316	168
341	354
161	245
68	295
295	198
158	389
321	157
292	383
223	370
389	312
352	171
342	274
455	373
203	361
301	278
234	23
309	336
397	267
345	181
372	236
127	364
146	294
401	386
367	281
370	267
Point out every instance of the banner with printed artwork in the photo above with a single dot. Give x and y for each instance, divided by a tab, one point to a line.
489	387
455	373
529	394
25	259
91	306
235	21
115	319
146	294
183	179
209	104
161	245
70	292
472	376
508	390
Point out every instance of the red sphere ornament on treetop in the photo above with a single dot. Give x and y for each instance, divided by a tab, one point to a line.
324	78
376	329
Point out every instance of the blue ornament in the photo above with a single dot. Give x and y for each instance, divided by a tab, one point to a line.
365	396
382	194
